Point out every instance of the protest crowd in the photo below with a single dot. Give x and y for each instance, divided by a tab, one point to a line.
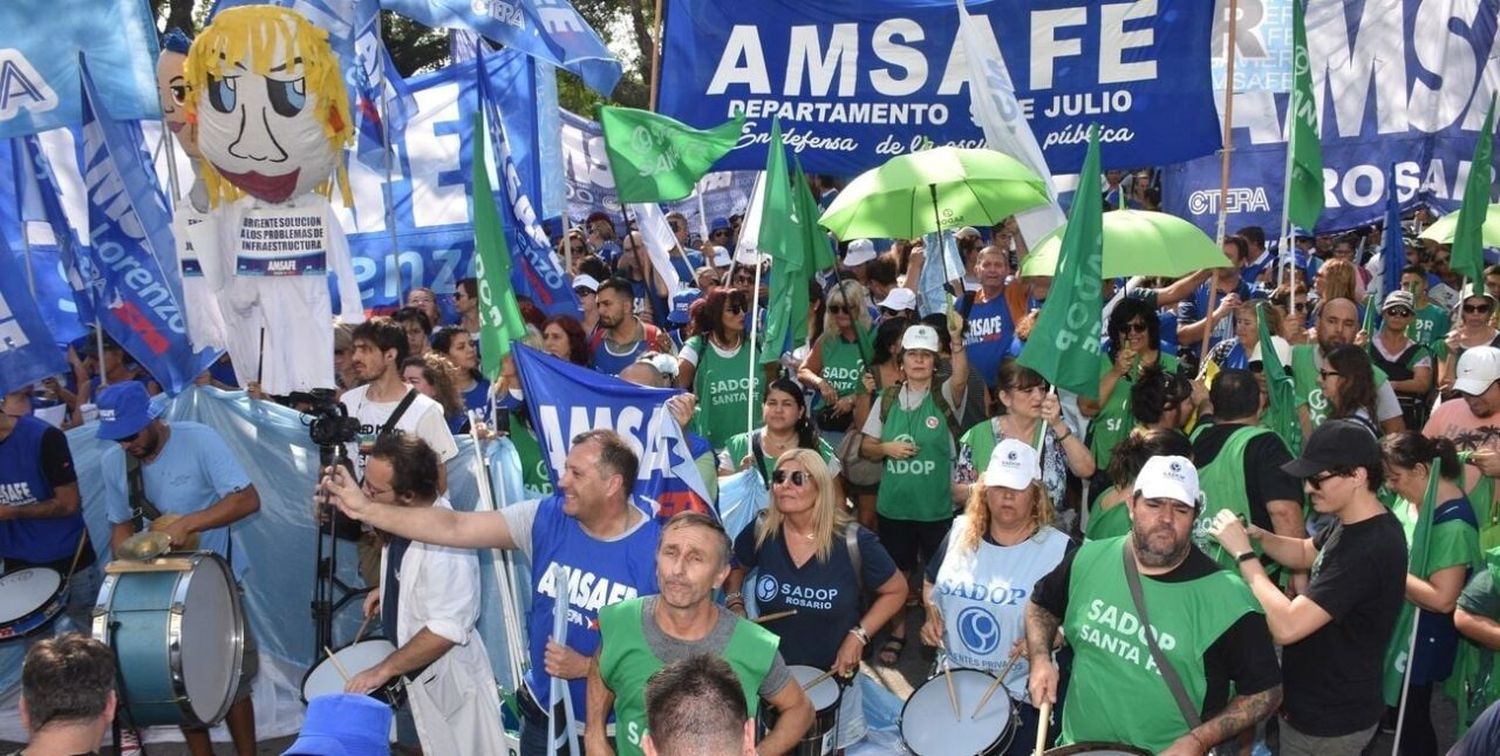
1078	475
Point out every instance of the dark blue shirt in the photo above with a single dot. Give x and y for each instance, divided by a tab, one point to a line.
391	585
34	461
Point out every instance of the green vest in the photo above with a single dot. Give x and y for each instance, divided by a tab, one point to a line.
724	396
844	363
917	488
1305	379
1475	682
1111	656
1114	421
1482	498
1106	523
1223	485
738	447
626	663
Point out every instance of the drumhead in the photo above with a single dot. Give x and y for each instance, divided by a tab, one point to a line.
928	726
212	638
1096	749
324	678
825	694
25	591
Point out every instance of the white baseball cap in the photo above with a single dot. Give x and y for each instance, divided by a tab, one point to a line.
1169	477
860	252
920	337
1013	464
722	258
585	281
1280	346
899	299
1478	367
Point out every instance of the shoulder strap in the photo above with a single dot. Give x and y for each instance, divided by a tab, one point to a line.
954	429
1168	673
760	457
888	397
856	559
141	508
390	422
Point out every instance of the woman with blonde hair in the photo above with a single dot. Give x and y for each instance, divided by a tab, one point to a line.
1338	279
1000	546
810	556
838	358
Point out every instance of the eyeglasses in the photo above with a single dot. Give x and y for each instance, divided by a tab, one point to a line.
797	477
1325	374
837	309
130	439
1134	327
1470	309
1398	312
583	292
1318	480
1299	306
720	232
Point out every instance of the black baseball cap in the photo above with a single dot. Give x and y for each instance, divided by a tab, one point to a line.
1335	443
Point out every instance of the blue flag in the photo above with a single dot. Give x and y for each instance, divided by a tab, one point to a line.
508	92
549	30
27	351
131	261
1392	246
564	400
40	41
72	312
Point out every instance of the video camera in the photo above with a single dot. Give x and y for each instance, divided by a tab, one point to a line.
331	425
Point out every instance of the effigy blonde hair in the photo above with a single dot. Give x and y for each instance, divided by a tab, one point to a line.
248	34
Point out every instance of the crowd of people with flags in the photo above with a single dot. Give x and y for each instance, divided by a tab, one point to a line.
1155	491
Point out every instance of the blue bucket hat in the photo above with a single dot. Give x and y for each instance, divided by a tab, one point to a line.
125	409
343	724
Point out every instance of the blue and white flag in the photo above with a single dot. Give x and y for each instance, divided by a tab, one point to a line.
937	271
564	400
131	261
549	30
69	307
855	82
508	86
27	349
40	41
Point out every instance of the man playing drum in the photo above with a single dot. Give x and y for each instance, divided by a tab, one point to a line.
640	636
1152	690
183	471
428	602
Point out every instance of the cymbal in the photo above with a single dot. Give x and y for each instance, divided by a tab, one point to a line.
167	519
144	546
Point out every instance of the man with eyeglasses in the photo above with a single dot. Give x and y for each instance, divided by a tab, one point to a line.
1407	364
1205	624
183	478
639	636
1334	634
720	234
1338	325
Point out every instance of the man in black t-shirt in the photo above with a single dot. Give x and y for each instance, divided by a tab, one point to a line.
1335	634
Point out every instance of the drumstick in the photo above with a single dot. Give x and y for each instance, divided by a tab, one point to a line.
820	678
994	686
361	634
1045	718
773	616
952	691
344	673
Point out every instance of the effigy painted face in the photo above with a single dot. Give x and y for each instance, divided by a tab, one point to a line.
272	115
172	88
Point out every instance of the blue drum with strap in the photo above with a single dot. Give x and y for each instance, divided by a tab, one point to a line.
178	632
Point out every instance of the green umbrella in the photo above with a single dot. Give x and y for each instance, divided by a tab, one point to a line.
1137	243
1442	231
906	197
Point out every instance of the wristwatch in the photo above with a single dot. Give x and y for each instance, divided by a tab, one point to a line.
1247	556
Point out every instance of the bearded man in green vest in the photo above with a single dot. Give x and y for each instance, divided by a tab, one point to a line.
1204	626
640	636
1338	324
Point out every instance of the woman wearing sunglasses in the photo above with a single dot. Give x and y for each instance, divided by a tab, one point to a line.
1473	330
715	364
1432	589
1348	384
787	426
1133	344
838	357
1407	364
808	555
1234	354
1001	545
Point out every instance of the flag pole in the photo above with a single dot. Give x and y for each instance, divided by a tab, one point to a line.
1224	161
656	43
750	326
389	190
26	161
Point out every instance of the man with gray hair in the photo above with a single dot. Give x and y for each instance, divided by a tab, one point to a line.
694	707
641	635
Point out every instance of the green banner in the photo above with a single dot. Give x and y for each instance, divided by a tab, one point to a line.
499	316
1468	244
1305	180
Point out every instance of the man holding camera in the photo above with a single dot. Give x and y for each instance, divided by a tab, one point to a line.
428	604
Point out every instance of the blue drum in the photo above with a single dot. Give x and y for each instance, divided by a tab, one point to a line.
178	631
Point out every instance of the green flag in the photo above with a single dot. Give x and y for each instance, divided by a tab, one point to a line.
1304	184
1367	324
1468	244
1397	651
1064	344
782	237
818	245
499	316
1281	411
657	159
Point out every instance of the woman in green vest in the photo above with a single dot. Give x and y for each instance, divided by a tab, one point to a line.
1107	517
838	357
913	429
717	366
1439	568
1033	415
787	427
1134	339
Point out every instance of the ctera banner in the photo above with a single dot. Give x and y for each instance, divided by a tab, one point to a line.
1402	82
855	82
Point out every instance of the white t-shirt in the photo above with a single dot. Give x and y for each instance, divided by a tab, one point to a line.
424	418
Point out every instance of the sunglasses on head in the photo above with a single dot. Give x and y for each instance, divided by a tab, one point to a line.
797	477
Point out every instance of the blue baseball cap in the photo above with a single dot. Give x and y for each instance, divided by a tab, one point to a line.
343	724
125	409
720	223
682	301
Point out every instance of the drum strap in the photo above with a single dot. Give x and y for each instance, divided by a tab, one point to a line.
1168	673
141	508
